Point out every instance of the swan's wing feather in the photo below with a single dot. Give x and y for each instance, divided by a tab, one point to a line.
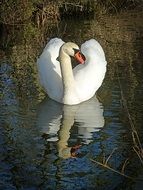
51	53
89	76
91	46
90	49
53	46
49	67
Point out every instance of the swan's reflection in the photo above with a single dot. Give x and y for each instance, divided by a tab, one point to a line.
56	120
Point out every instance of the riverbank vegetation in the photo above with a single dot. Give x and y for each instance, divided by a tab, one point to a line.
34	17
39	11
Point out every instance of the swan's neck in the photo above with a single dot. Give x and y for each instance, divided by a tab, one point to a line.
67	73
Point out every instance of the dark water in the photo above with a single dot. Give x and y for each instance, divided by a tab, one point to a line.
36	133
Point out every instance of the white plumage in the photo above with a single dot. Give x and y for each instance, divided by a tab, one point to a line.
69	86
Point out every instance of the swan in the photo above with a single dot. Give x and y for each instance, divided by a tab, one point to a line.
64	84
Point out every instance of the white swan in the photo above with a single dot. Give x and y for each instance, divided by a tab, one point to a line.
67	85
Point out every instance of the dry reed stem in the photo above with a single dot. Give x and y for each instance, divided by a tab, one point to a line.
124	165
113	170
136	140
106	161
122	173
138	153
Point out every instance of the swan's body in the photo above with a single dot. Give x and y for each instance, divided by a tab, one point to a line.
69	86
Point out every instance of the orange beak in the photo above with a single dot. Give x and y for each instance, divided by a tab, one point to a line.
79	57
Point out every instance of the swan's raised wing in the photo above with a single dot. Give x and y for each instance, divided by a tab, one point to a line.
89	76
49	68
50	54
91	48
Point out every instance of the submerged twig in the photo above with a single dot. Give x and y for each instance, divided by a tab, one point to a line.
116	171
138	153
124	165
112	169
106	161
136	140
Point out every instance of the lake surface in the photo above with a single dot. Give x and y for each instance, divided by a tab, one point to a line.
37	134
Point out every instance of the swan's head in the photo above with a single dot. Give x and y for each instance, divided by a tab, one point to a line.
73	50
69	48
